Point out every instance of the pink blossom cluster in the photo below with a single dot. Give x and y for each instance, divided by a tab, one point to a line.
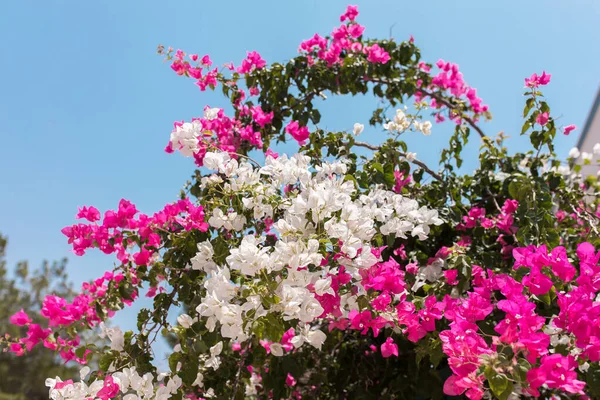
225	133
118	232
36	335
579	310
331	301
504	221
61	313
521	328
556	372
222	132
451	80
575	218
110	389
542	118
253	61
209	79
299	133
113	234
535	80
183	67
344	39
402	179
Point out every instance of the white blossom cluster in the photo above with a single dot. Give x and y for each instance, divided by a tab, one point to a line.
402	122
319	208
185	137
131	386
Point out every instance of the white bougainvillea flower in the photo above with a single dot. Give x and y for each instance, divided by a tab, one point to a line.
358	129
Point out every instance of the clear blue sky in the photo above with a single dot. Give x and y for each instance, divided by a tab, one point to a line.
86	106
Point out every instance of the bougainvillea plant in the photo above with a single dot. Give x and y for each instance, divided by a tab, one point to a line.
329	274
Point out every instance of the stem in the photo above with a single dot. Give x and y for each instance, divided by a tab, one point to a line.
239	371
416	162
445	102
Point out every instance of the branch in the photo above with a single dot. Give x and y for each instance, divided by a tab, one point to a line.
238	375
445	102
416	162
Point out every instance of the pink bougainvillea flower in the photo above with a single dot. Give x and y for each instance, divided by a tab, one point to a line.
542	118
109	390
389	348
90	213
535	81
451	275
301	134
206	60
556	372
402	179
355	30
377	54
20	318
568	129
290	380
350	14
271	153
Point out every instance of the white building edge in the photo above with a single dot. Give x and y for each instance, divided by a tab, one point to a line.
591	135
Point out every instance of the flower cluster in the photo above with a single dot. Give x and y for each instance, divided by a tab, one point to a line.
296	273
451	80
112	234
344	39
128	384
321	213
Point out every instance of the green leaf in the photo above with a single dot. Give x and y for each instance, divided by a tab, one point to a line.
545	298
418	175
80	351
435	352
528	105
500	386
522	367
173	360
143	316
189	371
388	175
315	116
378	167
105	361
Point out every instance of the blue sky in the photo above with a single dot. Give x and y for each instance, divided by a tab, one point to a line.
87	106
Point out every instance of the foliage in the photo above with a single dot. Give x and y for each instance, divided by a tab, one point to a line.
23	378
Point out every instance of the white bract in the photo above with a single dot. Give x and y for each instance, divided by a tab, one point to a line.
574	153
400	123
211	113
424	127
185	321
185	138
358	129
115	335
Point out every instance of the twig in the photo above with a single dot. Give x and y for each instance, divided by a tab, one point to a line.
239	371
416	162
445	102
